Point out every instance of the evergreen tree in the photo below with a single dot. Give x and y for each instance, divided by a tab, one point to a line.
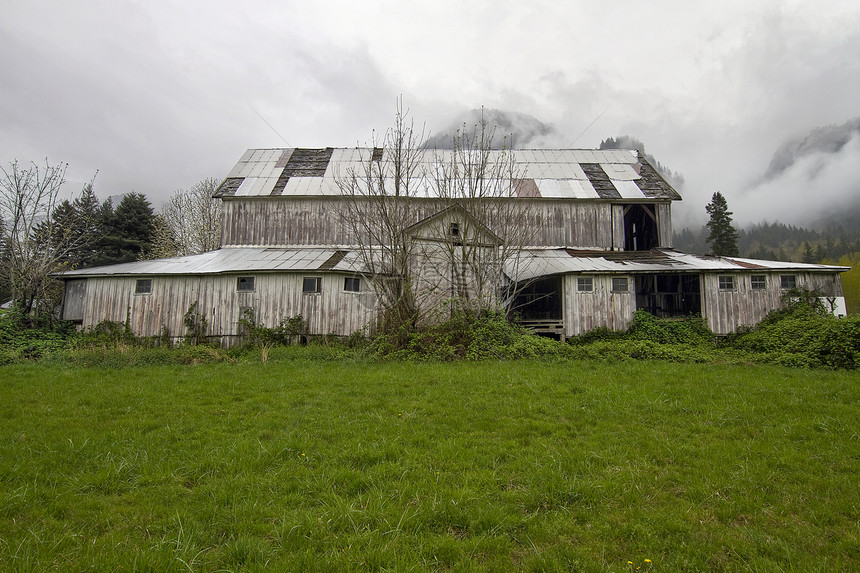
127	233
722	236
73	223
808	253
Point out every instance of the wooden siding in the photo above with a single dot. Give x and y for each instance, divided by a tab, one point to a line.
276	296
73	300
316	221
663	212
587	310
727	310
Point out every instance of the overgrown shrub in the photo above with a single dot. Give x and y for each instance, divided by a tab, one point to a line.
648	337
691	330
290	330
803	334
23	339
468	337
196	325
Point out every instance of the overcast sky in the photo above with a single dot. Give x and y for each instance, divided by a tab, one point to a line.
157	95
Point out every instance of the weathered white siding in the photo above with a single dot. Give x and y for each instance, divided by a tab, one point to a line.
317	221
617	230
276	296
663	213
728	309
587	310
73	300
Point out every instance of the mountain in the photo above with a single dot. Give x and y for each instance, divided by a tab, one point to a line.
509	129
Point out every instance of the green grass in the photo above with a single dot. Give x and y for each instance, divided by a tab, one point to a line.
489	466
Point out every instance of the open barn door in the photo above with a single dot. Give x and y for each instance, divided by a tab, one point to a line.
640	228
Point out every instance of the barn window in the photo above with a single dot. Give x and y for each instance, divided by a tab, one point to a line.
143	286
245	284
585	284
727	282
352	284
454	229
311	285
619	284
758	282
787	282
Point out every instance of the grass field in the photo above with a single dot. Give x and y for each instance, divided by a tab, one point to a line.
490	466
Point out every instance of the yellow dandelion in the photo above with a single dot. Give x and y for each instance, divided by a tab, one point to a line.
647	561
630	563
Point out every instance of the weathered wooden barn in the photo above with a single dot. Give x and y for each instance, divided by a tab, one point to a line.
600	249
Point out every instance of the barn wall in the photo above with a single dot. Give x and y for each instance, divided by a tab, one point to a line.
584	311
316	221
275	297
727	310
73	300
664	223
617	231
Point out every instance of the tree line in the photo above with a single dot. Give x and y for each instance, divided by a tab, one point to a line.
42	234
778	241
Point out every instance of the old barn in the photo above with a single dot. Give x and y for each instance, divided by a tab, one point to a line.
600	248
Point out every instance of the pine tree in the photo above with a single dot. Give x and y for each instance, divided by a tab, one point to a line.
127	233
722	236
808	253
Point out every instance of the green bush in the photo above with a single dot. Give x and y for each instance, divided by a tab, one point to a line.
804	337
290	330
20	339
692	330
468	337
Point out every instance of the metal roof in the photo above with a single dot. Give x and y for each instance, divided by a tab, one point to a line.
611	174
531	263
233	260
535	263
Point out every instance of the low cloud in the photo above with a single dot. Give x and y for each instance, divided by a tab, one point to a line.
823	142
808	178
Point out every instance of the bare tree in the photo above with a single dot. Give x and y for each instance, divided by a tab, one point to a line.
487	241
37	241
436	230
190	222
377	207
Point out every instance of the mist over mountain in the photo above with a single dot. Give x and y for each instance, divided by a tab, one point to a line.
510	129
812	180
825	141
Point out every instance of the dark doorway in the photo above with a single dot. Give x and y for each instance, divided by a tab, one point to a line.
668	295
640	228
539	300
538	307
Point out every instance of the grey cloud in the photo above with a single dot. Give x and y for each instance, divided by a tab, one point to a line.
815	182
510	129
828	140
